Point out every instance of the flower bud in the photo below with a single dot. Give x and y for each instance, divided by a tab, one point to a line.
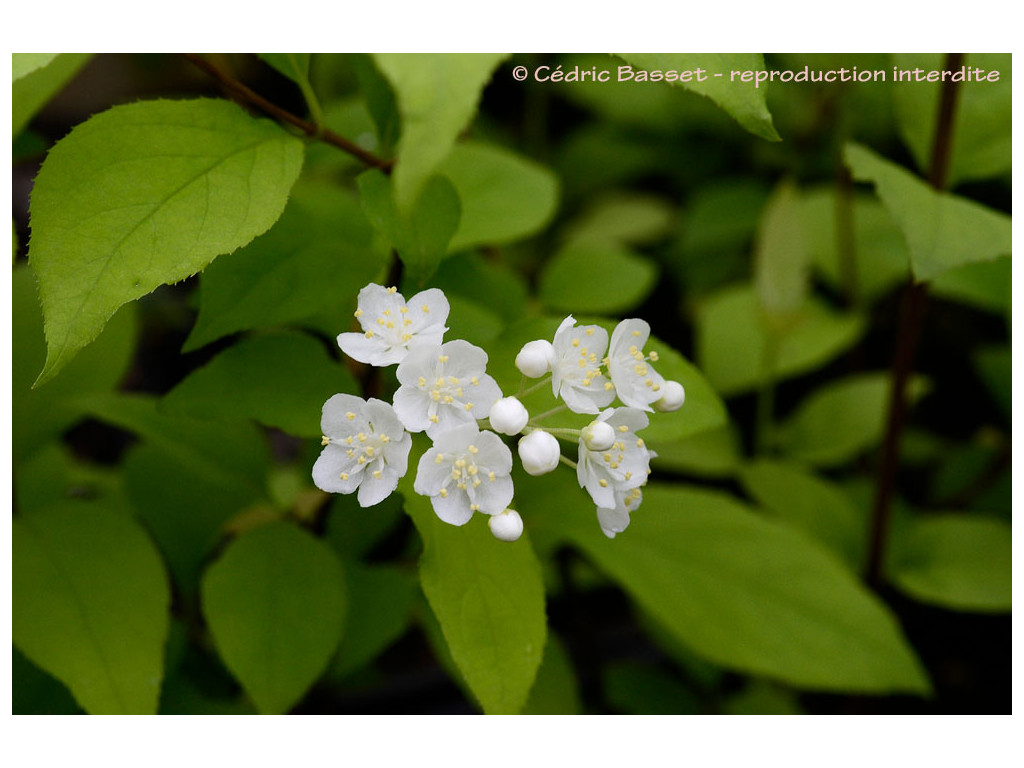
508	416
535	358
506	526
539	452
673	398
598	436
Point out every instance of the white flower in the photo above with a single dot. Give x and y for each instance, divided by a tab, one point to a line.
535	358
623	466
390	324
464	472
672	398
365	447
443	387
539	452
636	382
613	521
508	416
576	370
506	526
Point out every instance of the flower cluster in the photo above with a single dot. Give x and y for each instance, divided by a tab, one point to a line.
445	391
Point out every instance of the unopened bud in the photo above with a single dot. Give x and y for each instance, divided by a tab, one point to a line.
673	398
535	358
508	416
598	436
506	526
539	452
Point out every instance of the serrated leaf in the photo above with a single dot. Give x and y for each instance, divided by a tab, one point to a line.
505	197
279	379
25	63
90	605
981	123
731	340
275	602
841	419
986	285
955	560
420	236
313	262
744	101
437	95
943	231
624	218
41	414
596	277
488	597
146	194
34	89
742	591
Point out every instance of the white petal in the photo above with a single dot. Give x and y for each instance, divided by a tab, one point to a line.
613	521
358	347
432	319
494	496
412	408
373	490
334	421
432	476
454	509
328	468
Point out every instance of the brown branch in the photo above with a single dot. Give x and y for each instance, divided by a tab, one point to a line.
248	97
912	312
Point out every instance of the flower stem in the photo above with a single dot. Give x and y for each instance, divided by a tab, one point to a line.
566	432
912	312
567	462
530	390
552	412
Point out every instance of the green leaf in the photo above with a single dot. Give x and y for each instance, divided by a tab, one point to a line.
275	602
91	606
505	197
957	561
41	414
744	592
146	194
810	504
842	419
943	231
881	259
780	258
34	89
596	277
643	689
25	63
744	101
314	261
981	124
437	95
421	237
731	340
477	279
708	453
280	379
488	596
